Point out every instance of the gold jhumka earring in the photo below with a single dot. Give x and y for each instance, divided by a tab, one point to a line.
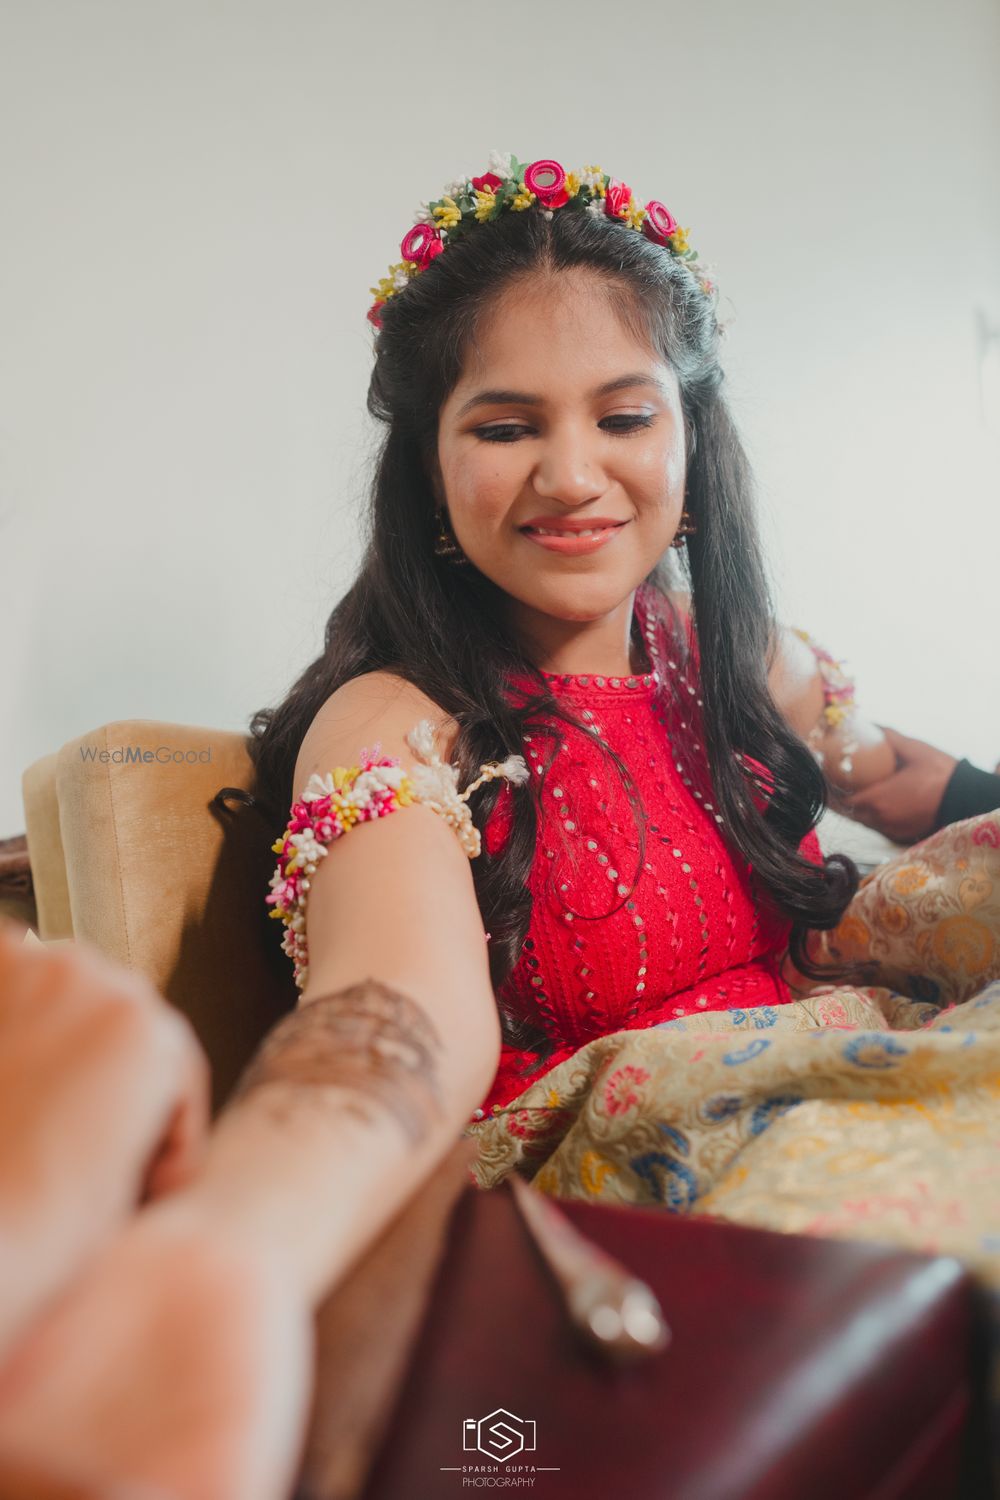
685	528
446	544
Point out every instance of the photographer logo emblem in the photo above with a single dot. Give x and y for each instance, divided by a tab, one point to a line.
503	1439
500	1436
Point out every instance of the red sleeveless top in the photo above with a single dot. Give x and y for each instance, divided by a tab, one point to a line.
602	956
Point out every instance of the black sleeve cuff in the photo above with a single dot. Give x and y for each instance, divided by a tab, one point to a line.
969	792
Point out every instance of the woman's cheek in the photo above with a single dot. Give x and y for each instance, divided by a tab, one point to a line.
487	494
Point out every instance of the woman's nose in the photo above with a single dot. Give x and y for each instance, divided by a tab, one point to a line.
565	471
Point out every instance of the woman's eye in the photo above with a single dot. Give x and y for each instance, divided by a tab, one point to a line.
509	432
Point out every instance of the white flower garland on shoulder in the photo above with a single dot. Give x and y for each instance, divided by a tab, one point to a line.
333	803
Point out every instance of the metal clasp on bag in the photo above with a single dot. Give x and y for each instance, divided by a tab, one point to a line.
615	1311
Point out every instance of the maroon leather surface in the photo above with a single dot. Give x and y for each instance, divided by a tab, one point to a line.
800	1369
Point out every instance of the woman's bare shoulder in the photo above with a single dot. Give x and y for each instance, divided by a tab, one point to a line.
377	706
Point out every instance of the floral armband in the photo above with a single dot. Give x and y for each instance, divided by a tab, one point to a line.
330	805
838	701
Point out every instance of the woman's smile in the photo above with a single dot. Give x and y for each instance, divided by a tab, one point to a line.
573	543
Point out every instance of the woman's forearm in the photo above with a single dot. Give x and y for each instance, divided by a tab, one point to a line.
345	1110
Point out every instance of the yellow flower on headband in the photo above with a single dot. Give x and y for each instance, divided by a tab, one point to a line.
448	213
486	202
635	215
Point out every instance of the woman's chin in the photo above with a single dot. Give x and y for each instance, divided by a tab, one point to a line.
588	601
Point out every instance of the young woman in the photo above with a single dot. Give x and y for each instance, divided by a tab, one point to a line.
562	572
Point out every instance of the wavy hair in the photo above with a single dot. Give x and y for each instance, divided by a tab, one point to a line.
445	628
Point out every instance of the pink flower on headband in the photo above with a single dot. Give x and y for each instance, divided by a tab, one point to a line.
421	245
659	222
616	199
489	182
547	180
374	314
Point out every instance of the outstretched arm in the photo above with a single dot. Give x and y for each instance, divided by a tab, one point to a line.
358	1094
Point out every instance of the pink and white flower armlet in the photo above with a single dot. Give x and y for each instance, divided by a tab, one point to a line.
330	805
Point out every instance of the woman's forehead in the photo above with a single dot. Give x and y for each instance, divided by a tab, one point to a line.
575	303
558	338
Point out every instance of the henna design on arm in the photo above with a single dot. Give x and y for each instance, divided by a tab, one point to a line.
368	1038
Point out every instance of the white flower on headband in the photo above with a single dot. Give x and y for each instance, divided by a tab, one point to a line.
457	188
500	163
591	177
423	214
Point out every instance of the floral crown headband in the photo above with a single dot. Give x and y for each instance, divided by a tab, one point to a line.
510	186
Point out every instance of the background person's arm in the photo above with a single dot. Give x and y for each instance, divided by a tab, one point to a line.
929	790
968	792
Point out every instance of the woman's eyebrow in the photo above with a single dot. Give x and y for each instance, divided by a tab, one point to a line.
522	398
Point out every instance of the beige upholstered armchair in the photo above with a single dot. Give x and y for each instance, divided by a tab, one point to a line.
129	851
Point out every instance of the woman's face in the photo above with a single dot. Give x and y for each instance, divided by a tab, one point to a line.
528	436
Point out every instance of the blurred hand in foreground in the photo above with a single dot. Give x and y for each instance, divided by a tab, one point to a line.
104	1103
176	1366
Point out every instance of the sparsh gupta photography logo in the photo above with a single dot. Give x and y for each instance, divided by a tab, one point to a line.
503	1437
135	755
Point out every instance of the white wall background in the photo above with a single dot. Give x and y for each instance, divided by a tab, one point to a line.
196	196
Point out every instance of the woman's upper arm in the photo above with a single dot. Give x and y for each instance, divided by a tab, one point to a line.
853	752
795	681
394	898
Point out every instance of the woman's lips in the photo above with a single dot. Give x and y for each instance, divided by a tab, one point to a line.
572	543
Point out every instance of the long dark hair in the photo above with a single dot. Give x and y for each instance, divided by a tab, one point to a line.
444	628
